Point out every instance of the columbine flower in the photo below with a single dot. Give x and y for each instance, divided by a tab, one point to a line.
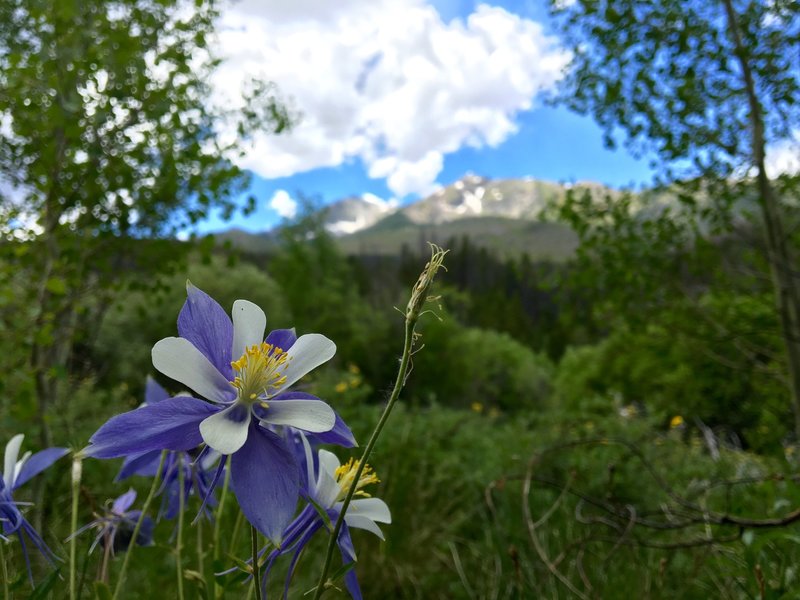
115	527
246	378
15	473
196	465
327	483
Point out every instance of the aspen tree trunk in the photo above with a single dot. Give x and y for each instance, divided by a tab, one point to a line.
787	295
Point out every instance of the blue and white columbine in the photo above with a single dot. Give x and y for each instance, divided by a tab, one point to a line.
115	527
197	466
246	379
17	471
326	484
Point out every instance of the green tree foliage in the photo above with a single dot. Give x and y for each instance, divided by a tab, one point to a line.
667	74
107	135
137	316
323	290
480	368
703	89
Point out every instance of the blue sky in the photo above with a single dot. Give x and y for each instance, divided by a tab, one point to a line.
397	115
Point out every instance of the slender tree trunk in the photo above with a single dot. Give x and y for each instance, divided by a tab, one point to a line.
787	294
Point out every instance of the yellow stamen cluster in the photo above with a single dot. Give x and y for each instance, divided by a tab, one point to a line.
347	472
259	370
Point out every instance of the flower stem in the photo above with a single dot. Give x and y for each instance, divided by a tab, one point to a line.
419	295
201	555
256	576
76	487
179	537
138	527
218	525
237	527
4	573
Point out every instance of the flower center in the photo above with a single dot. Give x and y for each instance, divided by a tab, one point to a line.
259	370
347	472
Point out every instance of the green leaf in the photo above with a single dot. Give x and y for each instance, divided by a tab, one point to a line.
102	591
56	285
43	589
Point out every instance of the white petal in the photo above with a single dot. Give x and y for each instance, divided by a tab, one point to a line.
249	322
309	459
372	508
223	433
209	460
327	490
178	358
362	522
309	415
327	487
20	463
328	462
10	459
305	355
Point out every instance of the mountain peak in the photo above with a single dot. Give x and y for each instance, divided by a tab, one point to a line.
475	196
355	213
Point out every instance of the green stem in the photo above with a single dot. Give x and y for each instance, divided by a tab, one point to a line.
76	487
201	558
237	527
4	567
414	309
179	537
399	382
218	525
256	576
135	536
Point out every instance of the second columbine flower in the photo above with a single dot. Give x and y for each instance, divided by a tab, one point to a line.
246	379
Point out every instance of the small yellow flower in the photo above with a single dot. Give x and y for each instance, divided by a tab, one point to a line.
341	387
355	382
676	421
353	368
476	407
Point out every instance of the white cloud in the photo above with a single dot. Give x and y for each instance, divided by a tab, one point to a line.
784	157
283	204
385	82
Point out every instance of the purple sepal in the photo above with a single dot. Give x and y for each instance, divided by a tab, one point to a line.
145	537
153	392
124	502
339	435
282	338
345	544
300	547
144	465
205	324
265	479
38	463
173	424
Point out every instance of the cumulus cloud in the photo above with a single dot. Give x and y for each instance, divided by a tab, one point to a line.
283	204
385	82
784	157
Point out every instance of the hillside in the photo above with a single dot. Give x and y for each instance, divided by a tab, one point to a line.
503	236
504	216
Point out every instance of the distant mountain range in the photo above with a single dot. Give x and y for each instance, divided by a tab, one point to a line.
502	215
